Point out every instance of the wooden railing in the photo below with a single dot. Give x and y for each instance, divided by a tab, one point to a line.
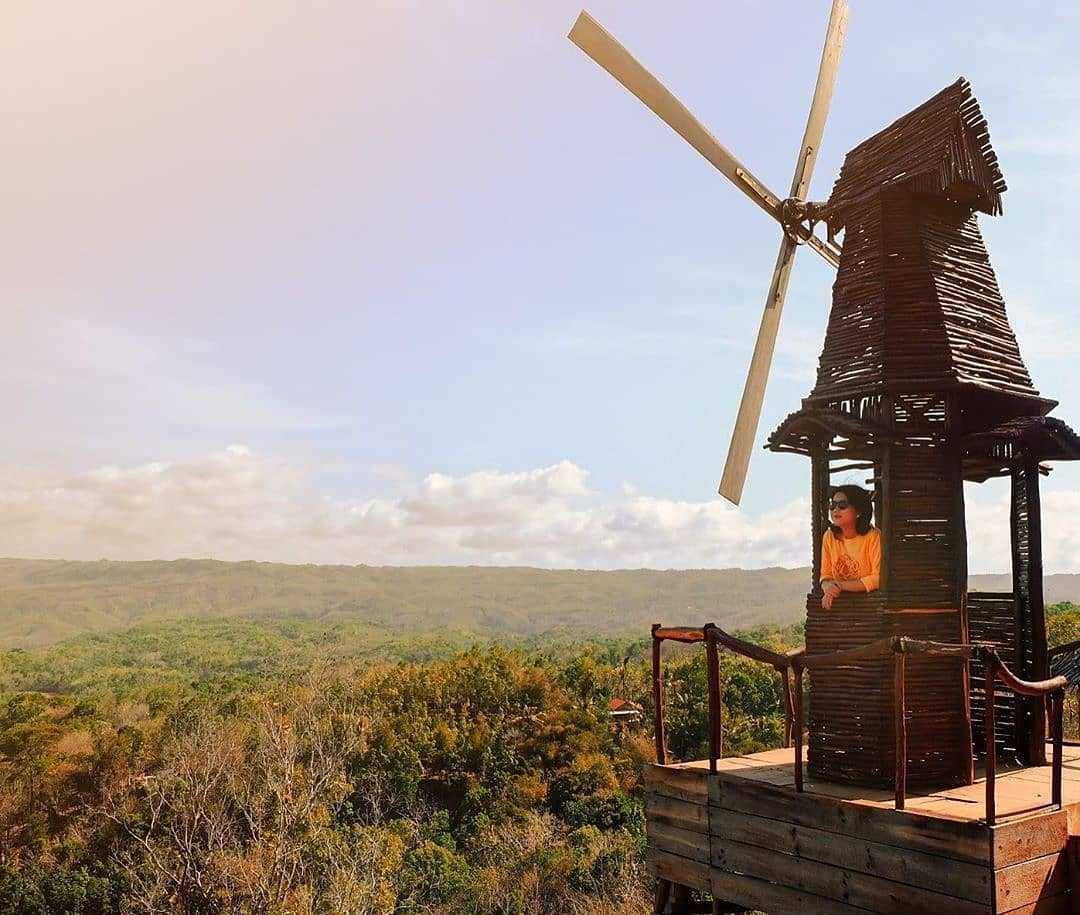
713	637
660	634
716	638
1052	690
792	666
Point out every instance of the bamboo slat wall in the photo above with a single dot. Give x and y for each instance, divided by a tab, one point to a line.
993	618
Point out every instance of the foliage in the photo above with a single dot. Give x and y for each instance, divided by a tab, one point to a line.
1062	623
228	766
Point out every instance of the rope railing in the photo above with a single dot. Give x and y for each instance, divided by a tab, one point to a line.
791	667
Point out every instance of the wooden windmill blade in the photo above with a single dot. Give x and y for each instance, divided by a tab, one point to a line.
605	49
819	107
746	421
749	415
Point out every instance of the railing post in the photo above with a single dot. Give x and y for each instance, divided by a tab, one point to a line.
991	743
716	707
797	701
1057	701
900	726
789	711
658	698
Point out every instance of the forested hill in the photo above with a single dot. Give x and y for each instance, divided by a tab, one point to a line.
44	601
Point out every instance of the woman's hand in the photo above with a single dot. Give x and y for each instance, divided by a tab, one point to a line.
831	590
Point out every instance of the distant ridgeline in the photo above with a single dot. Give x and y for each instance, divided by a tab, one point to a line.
44	601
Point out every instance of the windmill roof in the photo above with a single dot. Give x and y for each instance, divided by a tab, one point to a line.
942	147
1042	438
916	305
799	430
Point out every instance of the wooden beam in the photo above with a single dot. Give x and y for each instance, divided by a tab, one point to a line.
962	840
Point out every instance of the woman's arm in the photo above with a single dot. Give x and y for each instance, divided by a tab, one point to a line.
832	589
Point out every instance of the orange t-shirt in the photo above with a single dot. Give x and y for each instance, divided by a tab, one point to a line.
859	557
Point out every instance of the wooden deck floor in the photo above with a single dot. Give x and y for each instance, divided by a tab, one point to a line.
747	837
1018	791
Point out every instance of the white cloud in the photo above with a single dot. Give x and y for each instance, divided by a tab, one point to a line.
238	504
988	528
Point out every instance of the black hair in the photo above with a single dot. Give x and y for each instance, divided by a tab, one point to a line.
860	501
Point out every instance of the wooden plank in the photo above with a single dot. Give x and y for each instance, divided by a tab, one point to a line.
674	812
1029	881
962	840
760	895
682	842
684	783
1031	837
1052	905
677	869
931	872
862	890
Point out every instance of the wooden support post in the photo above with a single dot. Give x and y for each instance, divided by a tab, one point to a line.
959	519
658	698
1057	700
716	708
900	725
819	494
798	703
1018	531
789	711
1040	667
660	900
991	743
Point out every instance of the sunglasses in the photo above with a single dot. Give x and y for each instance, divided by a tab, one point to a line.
839	505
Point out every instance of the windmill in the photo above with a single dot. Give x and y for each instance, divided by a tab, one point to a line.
797	218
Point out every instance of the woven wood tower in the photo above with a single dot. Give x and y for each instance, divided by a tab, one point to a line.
921	384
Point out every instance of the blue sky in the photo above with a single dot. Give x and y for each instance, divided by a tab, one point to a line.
302	281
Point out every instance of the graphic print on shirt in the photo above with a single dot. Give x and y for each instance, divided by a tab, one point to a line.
845	568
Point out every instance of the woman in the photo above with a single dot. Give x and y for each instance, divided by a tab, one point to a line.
851	547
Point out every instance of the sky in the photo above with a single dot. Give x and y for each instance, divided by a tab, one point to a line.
411	283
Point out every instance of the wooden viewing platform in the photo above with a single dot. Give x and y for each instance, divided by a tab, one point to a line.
746	836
